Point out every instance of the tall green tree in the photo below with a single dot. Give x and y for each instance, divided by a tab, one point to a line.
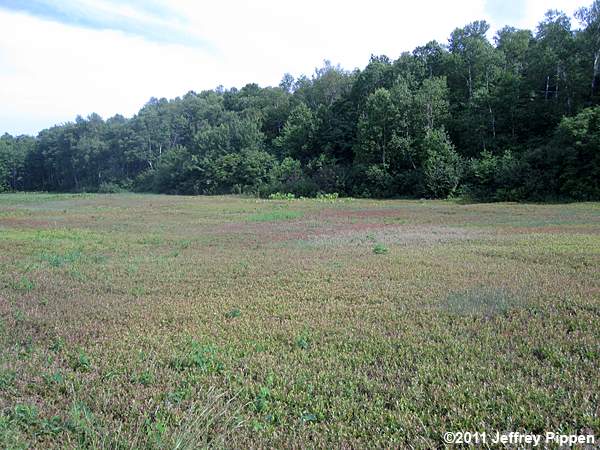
442	167
298	135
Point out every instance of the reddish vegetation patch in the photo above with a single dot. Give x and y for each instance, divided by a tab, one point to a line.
357	214
296	230
343	232
556	229
149	318
397	234
25	223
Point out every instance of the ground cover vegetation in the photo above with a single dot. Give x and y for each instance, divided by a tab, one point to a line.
513	119
153	321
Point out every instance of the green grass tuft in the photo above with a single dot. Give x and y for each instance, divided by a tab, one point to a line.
380	249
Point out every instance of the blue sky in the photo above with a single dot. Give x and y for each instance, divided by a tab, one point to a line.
152	20
63	58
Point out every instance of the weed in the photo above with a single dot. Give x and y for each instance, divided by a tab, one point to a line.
155	430
328	197
138	291
212	422
281	196
233	313
7	378
179	395
308	417
81	362
25	415
83	424
24	285
380	249
52	426
59	260
261	402
197	356
19	316
54	379
58	344
546	354
144	378
302	341
150	240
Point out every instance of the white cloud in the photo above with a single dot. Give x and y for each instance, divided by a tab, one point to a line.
535	10
296	38
54	71
50	72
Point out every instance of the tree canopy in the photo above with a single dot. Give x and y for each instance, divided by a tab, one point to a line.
508	119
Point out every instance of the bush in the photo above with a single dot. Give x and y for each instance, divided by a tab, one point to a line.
493	177
410	183
328	197
280	196
575	156
288	171
302	187
442	168
178	172
110	188
327	173
144	182
371	181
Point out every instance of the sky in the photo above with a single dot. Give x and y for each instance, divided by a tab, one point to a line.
60	59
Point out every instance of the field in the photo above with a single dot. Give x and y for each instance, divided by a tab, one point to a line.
146	321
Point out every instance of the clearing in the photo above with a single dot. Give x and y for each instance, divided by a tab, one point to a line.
149	321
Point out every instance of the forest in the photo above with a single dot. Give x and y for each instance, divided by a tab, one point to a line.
514	119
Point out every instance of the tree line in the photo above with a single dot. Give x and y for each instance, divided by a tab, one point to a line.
513	119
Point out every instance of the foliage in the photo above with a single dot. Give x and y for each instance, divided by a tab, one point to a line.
328	197
109	188
442	167
281	196
380	249
575	153
511	109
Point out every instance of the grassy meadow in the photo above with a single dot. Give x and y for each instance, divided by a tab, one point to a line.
148	321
